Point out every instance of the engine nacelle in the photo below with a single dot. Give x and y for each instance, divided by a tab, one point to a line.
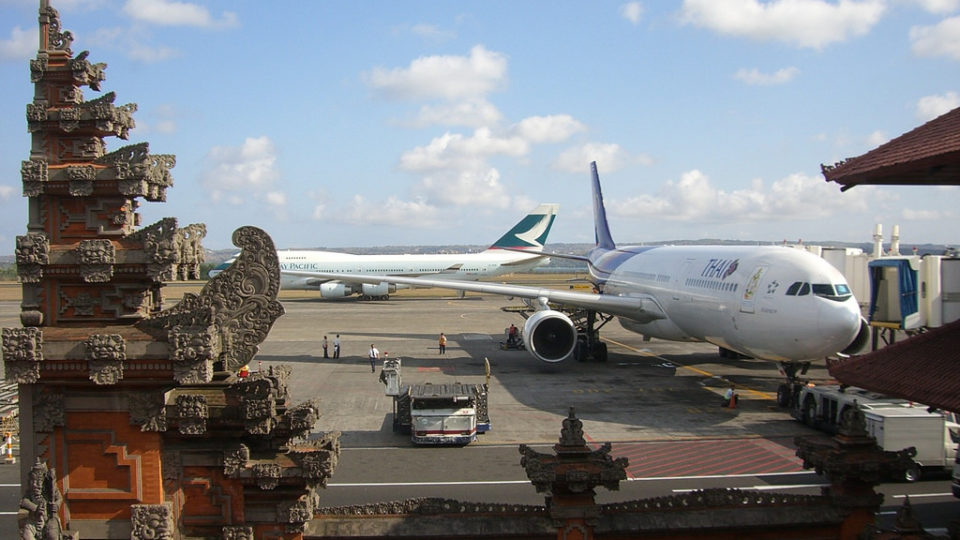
334	289
550	336
380	289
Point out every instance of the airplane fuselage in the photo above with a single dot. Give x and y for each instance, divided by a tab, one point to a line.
770	302
468	266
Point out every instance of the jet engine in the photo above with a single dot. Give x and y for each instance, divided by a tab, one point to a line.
549	336
860	341
380	289
334	289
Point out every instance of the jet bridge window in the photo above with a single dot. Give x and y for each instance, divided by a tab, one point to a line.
799	288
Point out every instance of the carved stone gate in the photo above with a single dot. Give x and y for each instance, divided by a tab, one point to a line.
134	423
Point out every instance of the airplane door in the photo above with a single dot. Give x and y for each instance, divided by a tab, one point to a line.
679	280
749	299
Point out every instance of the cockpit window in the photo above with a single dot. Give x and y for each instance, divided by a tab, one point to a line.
793	289
804	290
838	293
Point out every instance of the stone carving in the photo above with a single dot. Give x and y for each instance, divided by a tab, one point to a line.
258	404
81	181
240	301
160	245
318	458
147	410
238	533
35	175
57	39
109	118
235	461
42	502
152	522
36	113
141	174
69	118
191	251
105	356
303	417
85	73
193	350
38	67
22	354
267	475
48	412
96	258
83	304
192	413
575	468
297	512
429	506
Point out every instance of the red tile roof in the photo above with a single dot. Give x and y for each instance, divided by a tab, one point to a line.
927	155
924	368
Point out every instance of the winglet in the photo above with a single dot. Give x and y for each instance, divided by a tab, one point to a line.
601	229
531	232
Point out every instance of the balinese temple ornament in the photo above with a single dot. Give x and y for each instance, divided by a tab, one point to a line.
139	409
569	477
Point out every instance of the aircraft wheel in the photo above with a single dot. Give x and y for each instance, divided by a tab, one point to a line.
579	352
783	395
601	352
912	474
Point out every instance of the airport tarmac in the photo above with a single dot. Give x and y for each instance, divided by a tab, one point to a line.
645	391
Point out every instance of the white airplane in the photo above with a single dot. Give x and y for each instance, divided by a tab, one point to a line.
329	271
768	302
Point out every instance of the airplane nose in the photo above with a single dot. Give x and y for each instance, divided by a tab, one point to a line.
840	325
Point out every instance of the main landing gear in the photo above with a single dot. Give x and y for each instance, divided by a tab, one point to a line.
589	346
787	392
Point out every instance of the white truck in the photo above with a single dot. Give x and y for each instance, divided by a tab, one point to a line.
934	438
895	423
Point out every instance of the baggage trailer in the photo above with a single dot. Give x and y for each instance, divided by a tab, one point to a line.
435	414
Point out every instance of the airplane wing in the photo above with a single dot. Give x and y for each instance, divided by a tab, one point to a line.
641	308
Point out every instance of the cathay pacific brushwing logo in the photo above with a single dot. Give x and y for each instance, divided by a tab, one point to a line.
533	234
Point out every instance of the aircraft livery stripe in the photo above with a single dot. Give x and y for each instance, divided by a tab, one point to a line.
609	262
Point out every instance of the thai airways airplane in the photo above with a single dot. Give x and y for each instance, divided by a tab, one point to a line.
329	272
768	302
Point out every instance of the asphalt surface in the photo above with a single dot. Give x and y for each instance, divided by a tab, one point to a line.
657	401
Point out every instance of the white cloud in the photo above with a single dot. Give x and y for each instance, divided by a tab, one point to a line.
877	138
6	192
609	157
632	11
431	32
470	113
930	107
168	13
392	212
938	6
802	23
942	39
231	172
693	198
445	77
475	184
455	150
755	77
276	198
22	44
549	129
925	215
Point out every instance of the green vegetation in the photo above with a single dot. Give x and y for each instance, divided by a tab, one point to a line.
8	272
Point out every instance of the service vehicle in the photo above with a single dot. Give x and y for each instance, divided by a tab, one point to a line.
895	423
436	414
934	438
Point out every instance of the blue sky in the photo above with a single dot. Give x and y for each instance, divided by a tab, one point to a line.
343	124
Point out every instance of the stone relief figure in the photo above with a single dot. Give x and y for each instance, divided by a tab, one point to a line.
41	503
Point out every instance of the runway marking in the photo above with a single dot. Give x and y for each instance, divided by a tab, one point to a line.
403	484
764	487
672	363
918	495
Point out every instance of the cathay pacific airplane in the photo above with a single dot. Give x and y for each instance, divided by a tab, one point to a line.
329	271
768	302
